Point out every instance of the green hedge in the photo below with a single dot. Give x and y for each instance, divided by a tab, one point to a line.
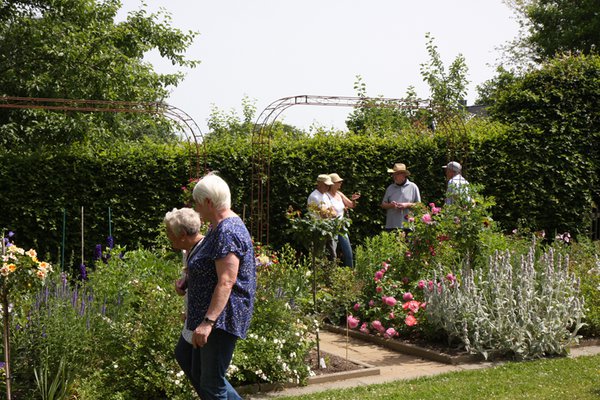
138	182
141	182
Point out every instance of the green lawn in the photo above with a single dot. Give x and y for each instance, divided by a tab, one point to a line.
560	378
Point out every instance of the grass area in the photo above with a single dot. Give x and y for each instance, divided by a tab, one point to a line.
558	378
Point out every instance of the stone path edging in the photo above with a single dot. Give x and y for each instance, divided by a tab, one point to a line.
409	349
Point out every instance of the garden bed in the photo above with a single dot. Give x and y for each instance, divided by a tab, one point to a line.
336	369
420	348
433	351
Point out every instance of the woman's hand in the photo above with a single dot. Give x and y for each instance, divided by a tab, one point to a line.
200	334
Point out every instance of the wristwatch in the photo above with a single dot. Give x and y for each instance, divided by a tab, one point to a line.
209	321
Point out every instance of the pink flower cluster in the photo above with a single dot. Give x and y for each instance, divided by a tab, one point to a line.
435	210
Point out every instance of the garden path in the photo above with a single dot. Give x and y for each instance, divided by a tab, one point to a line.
392	365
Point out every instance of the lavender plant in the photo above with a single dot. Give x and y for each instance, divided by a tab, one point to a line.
525	307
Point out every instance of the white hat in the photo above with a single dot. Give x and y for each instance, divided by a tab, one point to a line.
335	178
325	179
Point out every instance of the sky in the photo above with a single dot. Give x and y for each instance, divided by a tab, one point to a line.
270	49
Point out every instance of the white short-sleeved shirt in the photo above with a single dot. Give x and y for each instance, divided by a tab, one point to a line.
317	198
456	185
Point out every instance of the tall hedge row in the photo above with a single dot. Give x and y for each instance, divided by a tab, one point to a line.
140	182
137	182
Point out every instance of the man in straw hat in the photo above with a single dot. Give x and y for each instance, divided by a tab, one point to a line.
399	197
318	196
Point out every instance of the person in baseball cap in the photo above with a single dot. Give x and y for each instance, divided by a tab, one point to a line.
457	184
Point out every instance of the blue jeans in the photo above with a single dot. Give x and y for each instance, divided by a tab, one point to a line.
206	366
344	243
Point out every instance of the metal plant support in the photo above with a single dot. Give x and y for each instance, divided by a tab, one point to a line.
261	145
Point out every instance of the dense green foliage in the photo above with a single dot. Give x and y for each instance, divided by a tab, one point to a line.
138	182
75	49
113	335
548	164
551	27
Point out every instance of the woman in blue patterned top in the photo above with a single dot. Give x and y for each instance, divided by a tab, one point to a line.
221	288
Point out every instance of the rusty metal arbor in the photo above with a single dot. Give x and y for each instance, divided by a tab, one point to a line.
261	145
183	120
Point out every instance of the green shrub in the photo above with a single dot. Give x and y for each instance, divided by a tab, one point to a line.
584	257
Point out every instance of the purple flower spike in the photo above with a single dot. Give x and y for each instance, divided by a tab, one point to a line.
110	242
98	252
11	234
83	272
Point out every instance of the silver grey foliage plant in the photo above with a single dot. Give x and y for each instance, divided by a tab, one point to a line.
526	307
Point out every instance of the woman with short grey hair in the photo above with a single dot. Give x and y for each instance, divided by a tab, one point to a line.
183	230
183	220
221	289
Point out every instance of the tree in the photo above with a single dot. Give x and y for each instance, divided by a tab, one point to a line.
376	116
229	126
447	91
549	27
75	49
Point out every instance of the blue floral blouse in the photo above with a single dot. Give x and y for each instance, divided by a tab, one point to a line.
229	236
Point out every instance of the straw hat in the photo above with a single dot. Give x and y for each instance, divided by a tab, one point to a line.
398	167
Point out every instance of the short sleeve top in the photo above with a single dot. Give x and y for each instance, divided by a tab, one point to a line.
229	236
405	193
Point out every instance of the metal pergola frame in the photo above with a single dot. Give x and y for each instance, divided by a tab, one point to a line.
183	120
261	145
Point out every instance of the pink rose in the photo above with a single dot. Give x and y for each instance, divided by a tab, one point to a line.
410	320
371	303
426	218
431	205
451	277
352	322
421	284
430	285
412	306
378	326
364	328
356	307
411	219
390	301
385	265
423	305
435	210
390	333
391	316
407	296
378	289
378	275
